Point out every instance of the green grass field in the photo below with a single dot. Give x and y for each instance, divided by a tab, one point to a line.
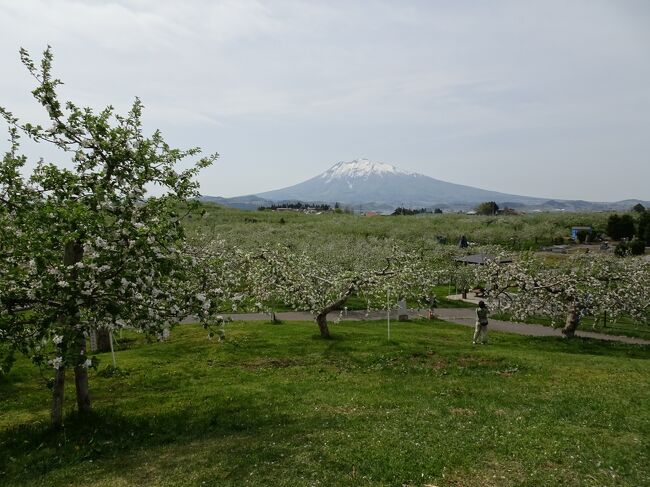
624	326
275	405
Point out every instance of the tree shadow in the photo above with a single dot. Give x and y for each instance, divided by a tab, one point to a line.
591	346
30	451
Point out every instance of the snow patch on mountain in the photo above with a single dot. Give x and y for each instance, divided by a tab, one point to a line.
378	186
360	169
364	182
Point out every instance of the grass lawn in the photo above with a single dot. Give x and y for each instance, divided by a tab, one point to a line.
624	326
274	405
444	290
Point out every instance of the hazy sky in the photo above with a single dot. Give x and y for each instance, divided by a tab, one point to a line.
541	98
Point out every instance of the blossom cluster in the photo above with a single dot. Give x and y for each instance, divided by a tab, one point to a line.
590	285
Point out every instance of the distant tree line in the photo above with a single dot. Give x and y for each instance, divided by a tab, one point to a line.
634	227
487	208
490	208
414	211
297	206
408	211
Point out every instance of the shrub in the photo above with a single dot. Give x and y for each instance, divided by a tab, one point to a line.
637	247
619	227
622	249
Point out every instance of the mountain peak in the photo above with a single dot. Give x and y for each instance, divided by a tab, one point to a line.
363	181
360	168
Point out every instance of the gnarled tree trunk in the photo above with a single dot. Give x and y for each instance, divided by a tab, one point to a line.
321	321
321	316
572	322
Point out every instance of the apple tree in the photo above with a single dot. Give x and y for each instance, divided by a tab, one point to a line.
82	246
321	280
583	285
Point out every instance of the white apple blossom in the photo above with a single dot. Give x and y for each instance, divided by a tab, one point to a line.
56	362
321	280
583	285
75	240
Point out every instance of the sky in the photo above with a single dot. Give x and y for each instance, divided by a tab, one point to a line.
540	98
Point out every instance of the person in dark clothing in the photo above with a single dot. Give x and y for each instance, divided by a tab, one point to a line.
480	331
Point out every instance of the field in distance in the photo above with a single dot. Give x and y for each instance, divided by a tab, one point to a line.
514	232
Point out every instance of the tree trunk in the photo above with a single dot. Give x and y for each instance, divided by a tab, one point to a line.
274	319
74	253
572	322
56	414
103	340
81	379
321	317
321	321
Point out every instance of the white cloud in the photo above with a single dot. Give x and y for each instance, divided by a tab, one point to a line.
465	84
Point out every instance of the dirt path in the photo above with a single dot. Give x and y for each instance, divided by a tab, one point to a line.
459	316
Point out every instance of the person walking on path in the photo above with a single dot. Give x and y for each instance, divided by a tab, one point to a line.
480	332
433	304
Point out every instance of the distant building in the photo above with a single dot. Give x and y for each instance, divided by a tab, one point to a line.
575	230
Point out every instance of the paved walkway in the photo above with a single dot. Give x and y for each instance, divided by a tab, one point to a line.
466	317
459	316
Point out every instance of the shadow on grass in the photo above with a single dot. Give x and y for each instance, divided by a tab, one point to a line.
334	337
16	384
590	346
29	452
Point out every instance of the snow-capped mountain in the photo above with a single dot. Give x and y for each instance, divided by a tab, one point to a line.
360	169
361	182
379	186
